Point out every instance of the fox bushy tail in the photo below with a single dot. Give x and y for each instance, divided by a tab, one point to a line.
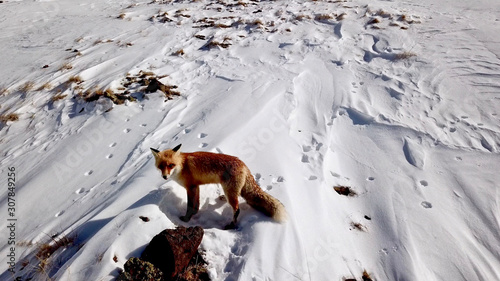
262	201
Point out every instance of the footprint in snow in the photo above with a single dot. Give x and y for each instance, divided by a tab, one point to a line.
113	144
143	125
109	156
312	178
305	158
426	204
203	145
59	214
89	173
80	191
424	183
186	131
126	131
278	179
202	135
370	179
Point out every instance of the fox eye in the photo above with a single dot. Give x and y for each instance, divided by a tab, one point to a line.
170	166
161	166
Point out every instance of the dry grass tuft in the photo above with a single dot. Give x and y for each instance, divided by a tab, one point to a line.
66	66
179	53
12	117
383	14
75	79
404	55
27	87
58	97
373	21
46	86
341	17
366	276
302	17
46	250
323	17
358	226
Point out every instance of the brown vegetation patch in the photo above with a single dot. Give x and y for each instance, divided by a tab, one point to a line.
344	190
366	276
46	250
373	21
404	55
58	97
26	87
358	226
9	117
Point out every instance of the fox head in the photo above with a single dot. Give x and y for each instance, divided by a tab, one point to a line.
169	161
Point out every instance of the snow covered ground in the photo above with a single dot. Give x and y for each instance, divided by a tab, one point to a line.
398	100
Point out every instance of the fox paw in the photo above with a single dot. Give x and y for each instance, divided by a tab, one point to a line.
232	225
185	218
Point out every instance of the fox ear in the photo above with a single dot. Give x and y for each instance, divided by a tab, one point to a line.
175	149
155	152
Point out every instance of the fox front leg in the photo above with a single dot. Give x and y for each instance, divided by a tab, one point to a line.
193	194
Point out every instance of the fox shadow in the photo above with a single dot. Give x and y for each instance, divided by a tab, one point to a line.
212	213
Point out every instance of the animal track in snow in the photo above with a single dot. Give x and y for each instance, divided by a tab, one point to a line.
89	173
202	135
424	183
426	204
305	158
203	144
59	214
278	179
80	191
113	144
109	156
186	131
370	179
126	131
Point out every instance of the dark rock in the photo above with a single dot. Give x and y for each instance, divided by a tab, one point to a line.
344	190
153	86
172	249
136	269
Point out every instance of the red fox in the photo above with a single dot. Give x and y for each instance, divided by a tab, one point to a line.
194	169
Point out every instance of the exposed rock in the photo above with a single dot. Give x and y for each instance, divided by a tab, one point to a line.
172	249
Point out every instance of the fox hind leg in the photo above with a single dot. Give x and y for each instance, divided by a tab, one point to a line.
232	199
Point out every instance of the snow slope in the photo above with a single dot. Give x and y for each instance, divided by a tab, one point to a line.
398	100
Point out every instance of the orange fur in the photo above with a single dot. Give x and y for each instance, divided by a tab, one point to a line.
197	168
